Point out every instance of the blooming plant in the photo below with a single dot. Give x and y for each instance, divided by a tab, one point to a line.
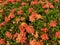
29	22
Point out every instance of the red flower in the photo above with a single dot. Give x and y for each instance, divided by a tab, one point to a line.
8	34
1	1
15	35
13	10
33	2
57	34
19	12
45	6
39	43
44	29
22	27
52	23
30	9
33	13
44	36
50	5
46	11
30	29
2	41
23	3
12	1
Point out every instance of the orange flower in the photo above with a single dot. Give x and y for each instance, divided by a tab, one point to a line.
8	34
2	41
11	15
6	19
44	29
26	27
32	42
34	16
57	34
19	12
21	37
38	16
44	36
41	42
36	35
17	20
22	18
52	23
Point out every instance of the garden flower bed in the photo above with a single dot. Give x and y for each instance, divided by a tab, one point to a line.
29	22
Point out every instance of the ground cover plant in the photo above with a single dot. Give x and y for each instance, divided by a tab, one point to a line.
29	22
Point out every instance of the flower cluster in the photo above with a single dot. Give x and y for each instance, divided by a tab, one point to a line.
29	22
